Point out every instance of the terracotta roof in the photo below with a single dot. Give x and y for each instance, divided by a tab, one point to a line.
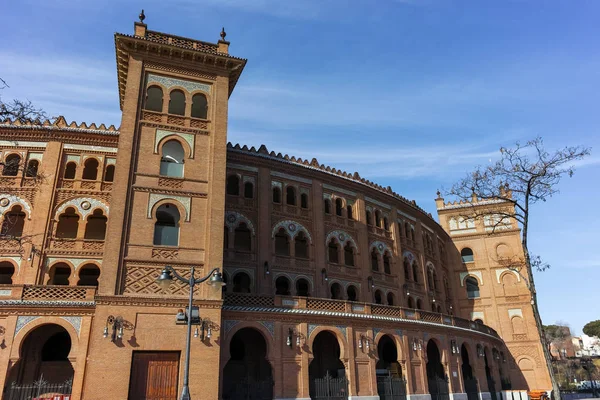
61	124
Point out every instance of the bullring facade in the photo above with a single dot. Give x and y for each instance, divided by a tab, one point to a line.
336	287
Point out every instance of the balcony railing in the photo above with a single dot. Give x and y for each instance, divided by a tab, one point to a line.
84	184
178	120
321	304
68	245
47	292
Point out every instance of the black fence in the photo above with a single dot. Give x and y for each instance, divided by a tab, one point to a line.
391	388
36	389
438	388
329	388
250	389
471	388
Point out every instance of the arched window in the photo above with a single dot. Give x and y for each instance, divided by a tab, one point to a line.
336	291
472	287
7	270
282	286
467	255
282	243
412	233
302	288
378	299
301	245
241	283
59	274
276	195
109	173
410	303
88	275
290	196
407	230
249	190
434	277
390	299
14	222
351	292
430	279
327	206
68	223
304	200
433	306
369	219
333	251
226	238
199	106
95	228
386	263
233	185
406	270
90	169
339	206
419	307
374	260
177	102
70	170
171	161
154	99
349	212
166	227
415	269
32	168
242	239
349	255
439	308
518	325
377	219
386	224
11	165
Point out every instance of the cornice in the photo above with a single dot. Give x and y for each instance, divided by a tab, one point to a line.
175	128
155	301
170	192
48	303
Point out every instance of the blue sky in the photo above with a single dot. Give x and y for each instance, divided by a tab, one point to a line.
410	93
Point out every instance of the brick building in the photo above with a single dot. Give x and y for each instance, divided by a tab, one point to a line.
331	279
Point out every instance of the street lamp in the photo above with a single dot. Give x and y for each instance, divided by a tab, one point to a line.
164	281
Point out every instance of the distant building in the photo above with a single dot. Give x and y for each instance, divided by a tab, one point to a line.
586	346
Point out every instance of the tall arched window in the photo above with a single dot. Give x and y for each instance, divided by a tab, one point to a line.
377	219
32	168
410	303
304	200
349	212
282	243
472	287
390	299
154	99
374	260
378	297
199	106
7	270
276	195
90	169
406	270
339	206
95	228
172	159
88	275
233	185
241	283
249	190
415	269
166	227
70	170
434	278
419	307
302	288
386	263
68	223
467	255
242	239
59	274
290	196
333	251
336	291
369	219
11	165
177	102
282	286
386	224
349	255
352	293
430	279
301	245
109	173
13	222
327	206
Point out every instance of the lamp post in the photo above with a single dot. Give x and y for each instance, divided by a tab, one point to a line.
164	281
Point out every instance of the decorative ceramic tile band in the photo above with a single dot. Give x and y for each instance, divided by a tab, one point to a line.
167	82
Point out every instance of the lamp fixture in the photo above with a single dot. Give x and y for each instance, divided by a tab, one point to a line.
118	325
266	268
480	352
324	276
454	347
290	338
364	342
405	287
417	345
370	284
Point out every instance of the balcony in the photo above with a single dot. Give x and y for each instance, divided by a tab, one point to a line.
76	245
47	293
389	279
287	262
238	256
83	184
380	232
176	120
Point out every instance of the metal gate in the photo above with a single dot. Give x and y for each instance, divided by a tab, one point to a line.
250	389
36	389
391	388
329	388
492	387
438	388
471	388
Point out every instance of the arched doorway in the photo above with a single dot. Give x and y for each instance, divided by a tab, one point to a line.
43	365
390	383
436	377
469	380
247	375
327	374
488	374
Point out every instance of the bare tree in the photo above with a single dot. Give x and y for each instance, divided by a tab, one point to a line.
20	110
506	190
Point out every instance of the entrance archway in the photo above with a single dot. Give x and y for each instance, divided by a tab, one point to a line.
44	355
488	374
436	377
390	383
469	380
247	374
327	374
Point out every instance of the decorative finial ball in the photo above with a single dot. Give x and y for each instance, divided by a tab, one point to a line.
439	193
142	16
223	34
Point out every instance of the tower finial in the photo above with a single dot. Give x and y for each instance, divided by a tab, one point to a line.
223	34
142	17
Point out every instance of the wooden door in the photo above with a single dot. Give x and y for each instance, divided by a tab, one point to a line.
154	376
